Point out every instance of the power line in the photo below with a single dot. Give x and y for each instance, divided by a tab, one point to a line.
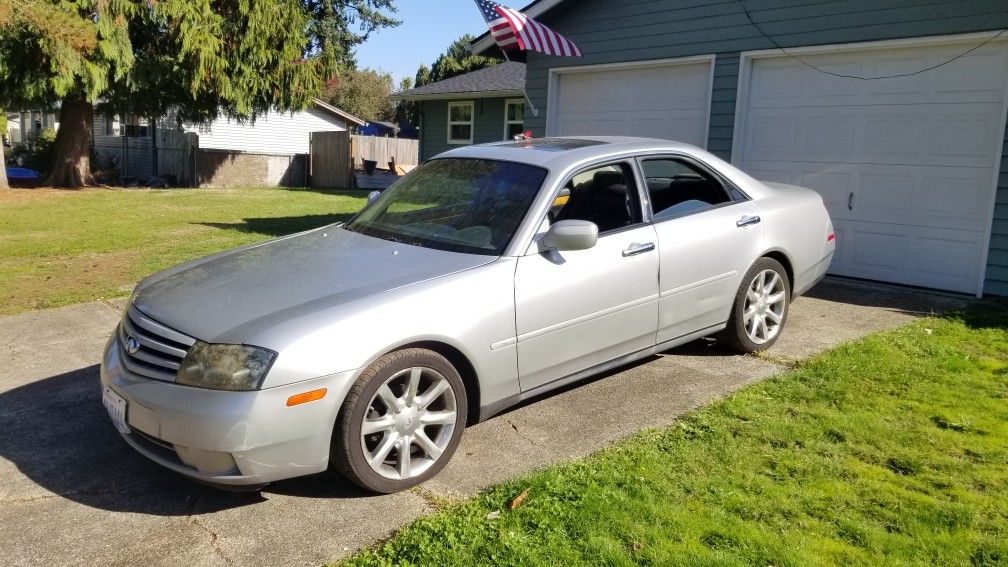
841	75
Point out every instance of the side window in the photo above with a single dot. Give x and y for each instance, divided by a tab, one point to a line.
606	196
677	187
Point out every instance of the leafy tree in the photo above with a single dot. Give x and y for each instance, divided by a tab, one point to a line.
363	93
201	58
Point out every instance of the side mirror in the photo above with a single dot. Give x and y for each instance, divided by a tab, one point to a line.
571	235
372	197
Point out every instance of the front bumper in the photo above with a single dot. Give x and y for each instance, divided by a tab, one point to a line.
227	438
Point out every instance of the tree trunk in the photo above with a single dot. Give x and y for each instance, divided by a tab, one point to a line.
3	168
71	165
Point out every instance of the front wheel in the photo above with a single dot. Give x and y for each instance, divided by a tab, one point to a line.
760	308
400	422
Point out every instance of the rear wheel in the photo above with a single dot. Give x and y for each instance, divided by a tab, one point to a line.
400	422
760	308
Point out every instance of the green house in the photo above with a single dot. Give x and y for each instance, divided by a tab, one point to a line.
483	106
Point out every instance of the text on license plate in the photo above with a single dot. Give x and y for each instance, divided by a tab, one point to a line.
116	406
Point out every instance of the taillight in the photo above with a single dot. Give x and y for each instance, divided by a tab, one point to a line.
831	237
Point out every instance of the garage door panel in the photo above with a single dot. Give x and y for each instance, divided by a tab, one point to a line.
783	82
661	101
828	135
962	134
944	259
878	249
944	197
952	135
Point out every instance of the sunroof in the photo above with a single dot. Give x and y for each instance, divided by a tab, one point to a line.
552	144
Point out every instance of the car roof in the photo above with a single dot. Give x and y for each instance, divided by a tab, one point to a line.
559	152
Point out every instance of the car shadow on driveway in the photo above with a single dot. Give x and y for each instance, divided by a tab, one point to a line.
889	297
57	434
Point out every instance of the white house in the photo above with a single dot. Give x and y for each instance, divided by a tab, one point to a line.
273	132
270	150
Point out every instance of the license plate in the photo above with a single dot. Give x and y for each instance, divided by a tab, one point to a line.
116	406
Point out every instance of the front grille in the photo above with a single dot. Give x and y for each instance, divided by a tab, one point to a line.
161	349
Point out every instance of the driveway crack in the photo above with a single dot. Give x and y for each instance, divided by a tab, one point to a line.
522	435
214	543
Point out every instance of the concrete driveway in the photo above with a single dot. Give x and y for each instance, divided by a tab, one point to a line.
72	492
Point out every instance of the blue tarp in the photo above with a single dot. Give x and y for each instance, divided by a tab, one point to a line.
21	174
384	129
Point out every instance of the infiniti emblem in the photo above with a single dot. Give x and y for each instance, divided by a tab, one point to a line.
132	345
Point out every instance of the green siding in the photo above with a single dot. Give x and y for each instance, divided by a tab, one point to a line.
488	124
633	30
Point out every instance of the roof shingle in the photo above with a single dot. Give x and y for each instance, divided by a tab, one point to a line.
505	78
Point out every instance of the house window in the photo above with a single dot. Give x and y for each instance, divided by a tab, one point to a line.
135	127
112	126
460	122
514	118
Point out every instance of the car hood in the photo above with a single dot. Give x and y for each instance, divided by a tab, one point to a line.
236	294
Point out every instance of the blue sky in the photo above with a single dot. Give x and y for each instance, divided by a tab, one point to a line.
428	27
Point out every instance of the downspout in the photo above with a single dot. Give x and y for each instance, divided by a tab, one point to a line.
154	150
420	131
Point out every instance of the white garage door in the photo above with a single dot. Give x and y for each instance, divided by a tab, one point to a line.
668	100
906	165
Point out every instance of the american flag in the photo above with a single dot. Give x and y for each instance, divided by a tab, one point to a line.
512	29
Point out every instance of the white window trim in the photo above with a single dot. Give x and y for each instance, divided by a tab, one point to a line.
470	123
508	123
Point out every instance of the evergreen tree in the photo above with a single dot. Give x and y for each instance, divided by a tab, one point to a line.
457	60
201	58
422	76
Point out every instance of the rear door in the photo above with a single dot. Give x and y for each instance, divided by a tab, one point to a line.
708	235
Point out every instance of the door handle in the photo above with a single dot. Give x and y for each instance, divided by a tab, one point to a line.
747	220
850	201
638	248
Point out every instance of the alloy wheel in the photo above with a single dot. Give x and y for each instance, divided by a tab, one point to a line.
409	423
763	311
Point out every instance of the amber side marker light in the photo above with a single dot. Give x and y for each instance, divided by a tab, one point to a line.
306	397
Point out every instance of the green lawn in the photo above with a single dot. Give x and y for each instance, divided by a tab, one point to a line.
890	450
62	247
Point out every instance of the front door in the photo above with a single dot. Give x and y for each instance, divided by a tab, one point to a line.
579	309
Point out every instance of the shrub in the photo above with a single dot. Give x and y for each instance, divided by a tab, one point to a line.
37	152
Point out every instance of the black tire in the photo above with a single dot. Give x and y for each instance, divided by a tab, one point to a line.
347	454
735	334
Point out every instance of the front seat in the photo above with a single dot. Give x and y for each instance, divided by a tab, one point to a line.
611	208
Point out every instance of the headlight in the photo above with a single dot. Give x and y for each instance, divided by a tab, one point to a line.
225	367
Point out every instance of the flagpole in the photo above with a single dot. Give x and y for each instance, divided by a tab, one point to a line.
535	111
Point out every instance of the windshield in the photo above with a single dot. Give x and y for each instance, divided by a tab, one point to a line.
461	205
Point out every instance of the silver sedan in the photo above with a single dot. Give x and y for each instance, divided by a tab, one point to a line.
486	276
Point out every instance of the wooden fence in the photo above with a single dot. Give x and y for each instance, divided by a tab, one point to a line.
383	150
176	156
335	155
329	162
